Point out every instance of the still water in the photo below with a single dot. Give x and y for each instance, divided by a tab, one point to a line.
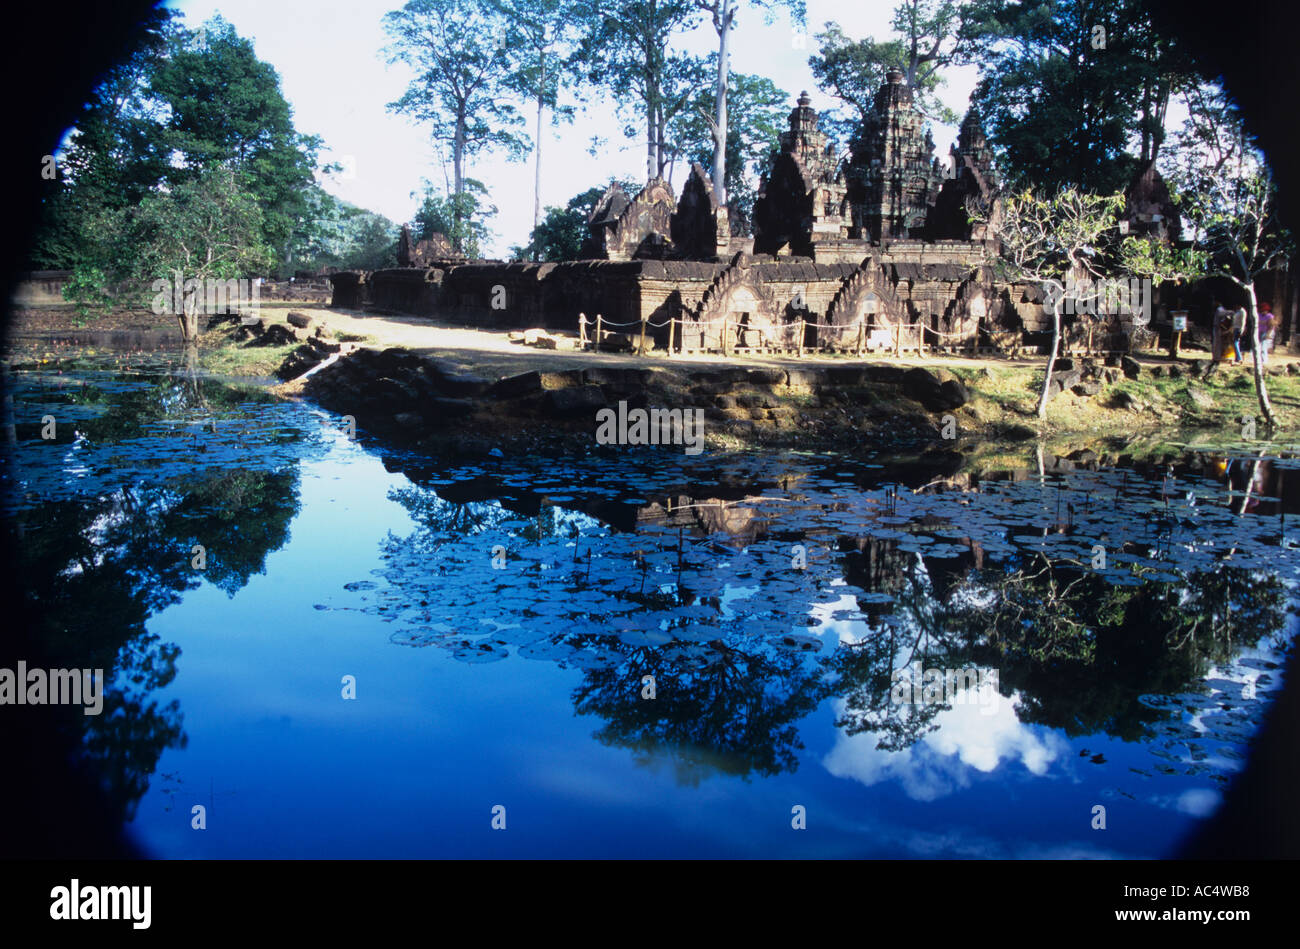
640	653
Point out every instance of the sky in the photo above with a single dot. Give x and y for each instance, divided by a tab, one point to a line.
336	77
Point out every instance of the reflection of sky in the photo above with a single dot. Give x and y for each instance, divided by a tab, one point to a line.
968	739
413	766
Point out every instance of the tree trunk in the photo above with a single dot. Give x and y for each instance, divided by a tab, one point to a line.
720	109
652	153
1051	358
537	181
1261	390
190	318
661	123
458	173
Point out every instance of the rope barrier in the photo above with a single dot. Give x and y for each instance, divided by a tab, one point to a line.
788	335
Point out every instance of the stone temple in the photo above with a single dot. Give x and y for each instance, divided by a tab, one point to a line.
873	250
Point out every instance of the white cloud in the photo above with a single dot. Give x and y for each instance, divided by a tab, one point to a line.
942	761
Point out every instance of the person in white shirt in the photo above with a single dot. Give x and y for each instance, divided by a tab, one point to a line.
1238	328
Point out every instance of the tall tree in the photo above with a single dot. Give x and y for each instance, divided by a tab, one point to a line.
224	106
722	13
926	38
459	52
1067	88
541	34
1225	190
757	112
624	47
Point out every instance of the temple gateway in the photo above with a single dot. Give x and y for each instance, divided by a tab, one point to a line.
873	251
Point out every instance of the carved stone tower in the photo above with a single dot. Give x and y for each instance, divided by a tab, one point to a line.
893	177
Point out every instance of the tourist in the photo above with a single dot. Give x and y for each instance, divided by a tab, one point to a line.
1238	329
1267	329
1222	326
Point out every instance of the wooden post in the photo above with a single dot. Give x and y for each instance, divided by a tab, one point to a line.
898	340
798	340
862	329
641	347
671	323
725	350
582	331
598	336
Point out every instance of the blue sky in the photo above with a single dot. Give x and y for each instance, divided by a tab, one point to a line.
335	75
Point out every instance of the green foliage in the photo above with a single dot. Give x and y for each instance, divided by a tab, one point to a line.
1225	190
461	54
461	217
539	37
1063	102
561	233
224	106
182	106
623	51
335	233
86	290
1047	238
208	226
756	116
854	70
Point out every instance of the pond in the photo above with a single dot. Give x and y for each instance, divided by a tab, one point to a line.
318	645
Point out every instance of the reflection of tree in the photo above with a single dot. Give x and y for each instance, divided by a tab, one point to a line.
732	708
464	518
1079	647
96	568
1081	650
864	678
178	397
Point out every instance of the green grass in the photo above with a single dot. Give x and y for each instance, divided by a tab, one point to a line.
242	360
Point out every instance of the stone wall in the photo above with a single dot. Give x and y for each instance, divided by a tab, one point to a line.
942	293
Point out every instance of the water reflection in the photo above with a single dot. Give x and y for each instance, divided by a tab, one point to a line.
109	514
1109	601
1142	603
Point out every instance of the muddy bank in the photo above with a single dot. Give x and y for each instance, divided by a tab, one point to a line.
441	401
417	398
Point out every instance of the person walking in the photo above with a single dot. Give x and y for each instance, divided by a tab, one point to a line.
1238	330
1267	329
1221	323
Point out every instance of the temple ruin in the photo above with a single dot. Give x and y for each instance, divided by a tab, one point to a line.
875	250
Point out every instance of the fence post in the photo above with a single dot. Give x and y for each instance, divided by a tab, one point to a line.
862	331
898	339
671	324
726	351
582	331
598	319
799	338
641	347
